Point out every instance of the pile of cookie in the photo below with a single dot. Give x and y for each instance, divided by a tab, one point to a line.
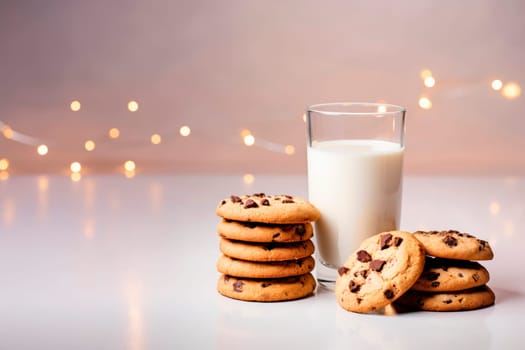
452	279
266	247
432	271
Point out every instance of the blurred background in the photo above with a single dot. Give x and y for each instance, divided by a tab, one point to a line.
165	87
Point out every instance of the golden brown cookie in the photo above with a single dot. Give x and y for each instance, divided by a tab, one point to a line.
469	299
259	232
272	209
446	275
277	289
454	245
383	268
253	269
266	251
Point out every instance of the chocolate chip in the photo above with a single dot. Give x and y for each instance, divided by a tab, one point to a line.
223	202
287	201
275	235
299	263
258	195
354	287
359	300
265	202
389	294
435	284
475	277
300	230
385	240
266	284
460	274
377	265
226	278
288	196
482	244
450	241
398	241
431	275
250	203
269	246
342	270
448	301
237	286
363	256
236	199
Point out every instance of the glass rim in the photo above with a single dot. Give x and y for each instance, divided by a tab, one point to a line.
394	109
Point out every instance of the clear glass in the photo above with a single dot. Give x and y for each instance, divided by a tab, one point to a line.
355	172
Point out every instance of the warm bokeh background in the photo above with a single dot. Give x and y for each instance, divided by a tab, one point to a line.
220	67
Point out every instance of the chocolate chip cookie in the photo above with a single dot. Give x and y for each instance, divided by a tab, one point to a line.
278	289
273	209
446	275
383	268
454	245
274	269
259	232
469	299
266	251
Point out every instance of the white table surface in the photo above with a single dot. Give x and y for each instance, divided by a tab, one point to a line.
116	263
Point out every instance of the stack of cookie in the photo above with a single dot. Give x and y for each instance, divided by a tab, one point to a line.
451	279
266	247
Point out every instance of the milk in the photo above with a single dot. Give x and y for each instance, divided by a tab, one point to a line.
356	184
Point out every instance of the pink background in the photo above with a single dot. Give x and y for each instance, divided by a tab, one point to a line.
224	66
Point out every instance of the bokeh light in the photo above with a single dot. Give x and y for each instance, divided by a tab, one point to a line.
133	106
249	140
425	103
429	82
75	167
7	132
511	90
155	139
75	106
75	177
89	145
42	150
425	73
289	150
185	130
114	133
496	84
129	165
248	179
4	164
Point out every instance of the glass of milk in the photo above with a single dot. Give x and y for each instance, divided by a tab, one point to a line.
355	172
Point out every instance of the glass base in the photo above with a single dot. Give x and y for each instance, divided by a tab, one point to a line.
326	284
326	275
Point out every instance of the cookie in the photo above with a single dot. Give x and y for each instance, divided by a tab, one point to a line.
253	269
454	245
259	232
277	289
258	207
446	275
383	268
266	251
469	299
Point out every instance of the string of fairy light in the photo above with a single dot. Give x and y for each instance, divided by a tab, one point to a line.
75	167
509	90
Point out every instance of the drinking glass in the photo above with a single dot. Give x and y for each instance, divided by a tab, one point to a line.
355	172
